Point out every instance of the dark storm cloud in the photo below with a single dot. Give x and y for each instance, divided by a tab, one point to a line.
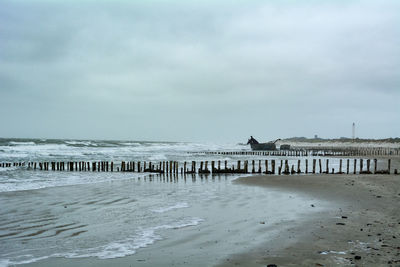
285	64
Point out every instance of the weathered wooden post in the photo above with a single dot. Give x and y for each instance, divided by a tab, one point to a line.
355	166
368	165
375	165
226	165
252	167
206	166
201	167
273	166
238	165
313	165
389	166
340	166
286	171
320	166
259	166
184	167
348	166
266	166
361	165
327	166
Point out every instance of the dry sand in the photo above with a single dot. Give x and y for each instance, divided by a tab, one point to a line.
365	222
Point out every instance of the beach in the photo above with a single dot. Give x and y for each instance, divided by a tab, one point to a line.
95	218
365	223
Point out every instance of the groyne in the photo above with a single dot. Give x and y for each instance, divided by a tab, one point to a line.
271	166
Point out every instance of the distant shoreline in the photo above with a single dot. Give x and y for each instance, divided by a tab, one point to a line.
341	140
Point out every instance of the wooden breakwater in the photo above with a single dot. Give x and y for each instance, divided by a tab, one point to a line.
310	152
358	166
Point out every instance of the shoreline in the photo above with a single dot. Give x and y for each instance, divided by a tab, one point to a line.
365	222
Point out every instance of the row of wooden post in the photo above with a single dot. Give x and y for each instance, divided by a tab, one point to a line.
173	167
312	152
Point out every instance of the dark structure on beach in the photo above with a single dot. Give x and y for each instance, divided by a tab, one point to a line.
255	145
284	147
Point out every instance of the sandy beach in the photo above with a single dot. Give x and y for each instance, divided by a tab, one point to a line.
363	229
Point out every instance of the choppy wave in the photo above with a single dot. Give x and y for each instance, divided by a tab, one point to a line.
40	180
80	143
116	249
21	143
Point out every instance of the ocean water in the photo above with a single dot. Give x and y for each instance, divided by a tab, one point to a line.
105	216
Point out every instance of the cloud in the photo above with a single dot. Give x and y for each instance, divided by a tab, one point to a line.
248	62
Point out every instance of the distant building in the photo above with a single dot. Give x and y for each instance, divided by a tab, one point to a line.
316	136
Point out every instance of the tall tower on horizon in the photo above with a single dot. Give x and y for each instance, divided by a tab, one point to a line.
354	131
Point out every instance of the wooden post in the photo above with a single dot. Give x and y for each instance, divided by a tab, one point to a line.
313	165
340	166
286	171
389	166
259	166
306	166
238	165
327	166
266	166
375	165
355	166
226	165
320	166
219	165
252	167
368	165
348	166
361	165
184	167
201	167
273	166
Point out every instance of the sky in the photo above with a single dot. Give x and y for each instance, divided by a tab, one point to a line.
215	71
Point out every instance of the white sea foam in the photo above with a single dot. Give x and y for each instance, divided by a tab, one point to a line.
180	205
29	259
130	245
332	252
5	262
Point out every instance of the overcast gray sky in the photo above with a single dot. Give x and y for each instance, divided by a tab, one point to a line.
199	70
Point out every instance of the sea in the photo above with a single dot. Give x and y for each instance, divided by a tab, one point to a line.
109	215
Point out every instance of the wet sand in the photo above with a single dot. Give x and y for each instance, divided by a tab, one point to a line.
363	228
